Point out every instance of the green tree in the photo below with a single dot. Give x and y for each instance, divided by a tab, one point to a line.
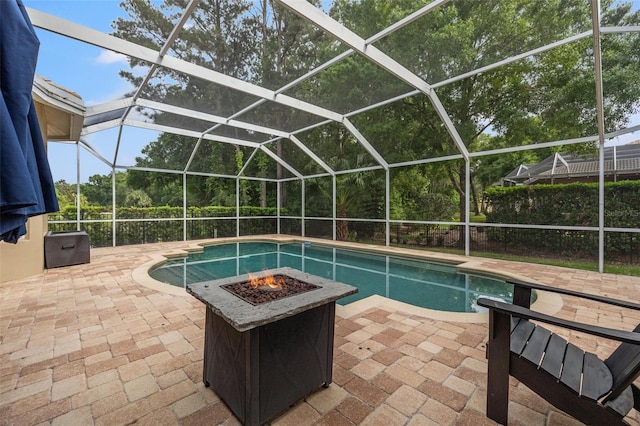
99	189
137	198
67	195
168	152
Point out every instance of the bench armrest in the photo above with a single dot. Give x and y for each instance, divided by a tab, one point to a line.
521	312
615	302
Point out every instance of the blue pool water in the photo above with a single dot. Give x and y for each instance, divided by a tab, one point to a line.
417	282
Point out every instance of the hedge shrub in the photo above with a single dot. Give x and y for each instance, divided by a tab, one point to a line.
574	204
144	229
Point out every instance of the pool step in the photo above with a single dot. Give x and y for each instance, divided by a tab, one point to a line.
193	275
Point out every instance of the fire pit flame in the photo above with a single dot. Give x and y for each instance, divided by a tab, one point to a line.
268	283
267	287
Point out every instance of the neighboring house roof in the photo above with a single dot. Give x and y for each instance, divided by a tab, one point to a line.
621	161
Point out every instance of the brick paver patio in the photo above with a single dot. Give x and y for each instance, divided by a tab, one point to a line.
87	344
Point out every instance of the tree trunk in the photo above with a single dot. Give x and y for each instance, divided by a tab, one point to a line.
474	197
283	188
342	226
462	205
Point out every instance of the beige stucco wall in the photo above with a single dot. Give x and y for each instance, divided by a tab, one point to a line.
26	258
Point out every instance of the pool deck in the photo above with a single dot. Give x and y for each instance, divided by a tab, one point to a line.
103	344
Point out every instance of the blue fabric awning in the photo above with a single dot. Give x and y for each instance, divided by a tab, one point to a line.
26	185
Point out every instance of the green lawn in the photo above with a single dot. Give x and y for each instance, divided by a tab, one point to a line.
632	270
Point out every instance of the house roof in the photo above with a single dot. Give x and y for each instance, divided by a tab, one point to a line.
64	109
620	160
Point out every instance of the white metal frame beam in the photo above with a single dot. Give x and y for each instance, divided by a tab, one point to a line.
78	32
387	31
597	59
311	154
365	143
279	160
105	125
87	146
406	20
186	14
474	72
108	106
209	117
188	11
372	53
185	132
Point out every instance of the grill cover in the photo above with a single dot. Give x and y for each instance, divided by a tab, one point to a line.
65	248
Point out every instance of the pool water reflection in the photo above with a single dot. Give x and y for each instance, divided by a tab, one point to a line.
414	281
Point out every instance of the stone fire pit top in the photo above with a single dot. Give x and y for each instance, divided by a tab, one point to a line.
245	316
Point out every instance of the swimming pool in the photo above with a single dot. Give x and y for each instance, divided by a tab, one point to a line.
414	281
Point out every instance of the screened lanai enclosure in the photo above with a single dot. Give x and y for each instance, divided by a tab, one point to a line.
391	122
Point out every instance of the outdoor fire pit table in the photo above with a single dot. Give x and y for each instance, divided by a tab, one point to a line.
262	358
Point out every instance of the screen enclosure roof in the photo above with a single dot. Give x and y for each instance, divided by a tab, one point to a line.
291	81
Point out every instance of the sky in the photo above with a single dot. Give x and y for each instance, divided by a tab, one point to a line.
93	73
